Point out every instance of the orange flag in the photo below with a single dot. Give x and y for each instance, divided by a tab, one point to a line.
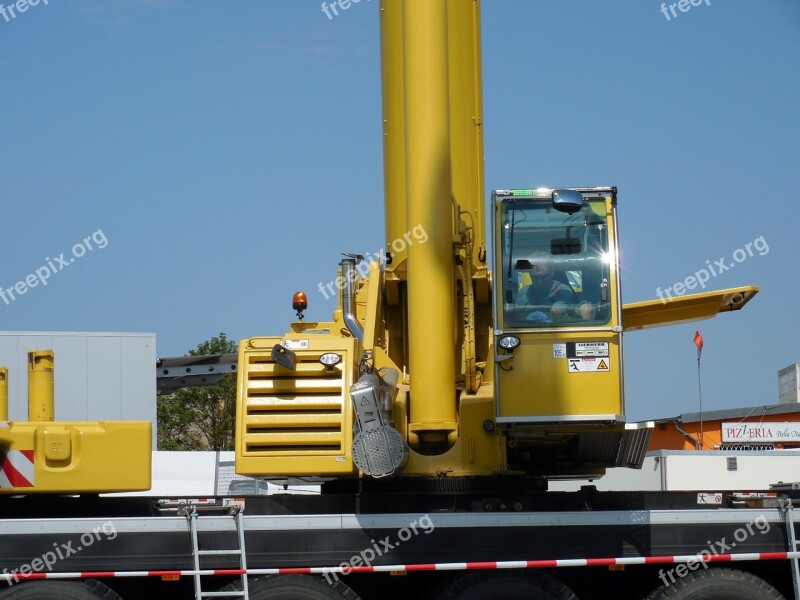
698	341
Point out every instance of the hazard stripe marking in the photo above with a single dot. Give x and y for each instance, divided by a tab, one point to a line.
16	469
462	566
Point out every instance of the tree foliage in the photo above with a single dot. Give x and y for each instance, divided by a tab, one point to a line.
200	418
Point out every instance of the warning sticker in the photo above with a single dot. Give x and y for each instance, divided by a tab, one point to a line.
706	498
588	365
591	349
296	344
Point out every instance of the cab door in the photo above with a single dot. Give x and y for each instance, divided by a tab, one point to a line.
558	341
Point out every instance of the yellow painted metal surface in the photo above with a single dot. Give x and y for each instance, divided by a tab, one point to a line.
374	335
684	309
466	116
41	406
293	422
3	394
431	313
394	135
477	452
69	457
537	385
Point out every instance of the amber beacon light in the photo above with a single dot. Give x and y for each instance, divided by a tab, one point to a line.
300	303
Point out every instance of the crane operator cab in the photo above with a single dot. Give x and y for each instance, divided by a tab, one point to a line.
558	335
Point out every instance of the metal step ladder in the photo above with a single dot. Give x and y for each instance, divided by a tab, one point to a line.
192	515
788	517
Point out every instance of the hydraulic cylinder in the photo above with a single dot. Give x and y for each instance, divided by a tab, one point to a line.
41	405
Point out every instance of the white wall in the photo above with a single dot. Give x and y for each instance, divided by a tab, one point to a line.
756	471
676	470
620	479
789	384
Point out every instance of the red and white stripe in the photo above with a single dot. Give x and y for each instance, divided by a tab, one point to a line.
462	566
16	469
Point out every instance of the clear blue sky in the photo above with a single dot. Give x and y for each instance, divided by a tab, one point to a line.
230	151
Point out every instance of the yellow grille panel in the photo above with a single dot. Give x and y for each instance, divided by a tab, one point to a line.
294	422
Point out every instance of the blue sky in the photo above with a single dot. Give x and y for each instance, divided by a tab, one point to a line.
230	151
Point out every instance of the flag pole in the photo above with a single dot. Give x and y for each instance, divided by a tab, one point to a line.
700	394
698	341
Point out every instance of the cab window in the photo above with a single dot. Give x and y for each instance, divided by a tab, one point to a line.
555	266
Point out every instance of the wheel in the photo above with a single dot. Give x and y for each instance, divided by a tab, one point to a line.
295	587
714	584
506	586
91	589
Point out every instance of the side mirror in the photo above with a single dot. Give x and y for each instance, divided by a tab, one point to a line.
568	201
284	357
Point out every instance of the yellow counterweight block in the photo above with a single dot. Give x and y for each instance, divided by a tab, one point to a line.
43	456
66	457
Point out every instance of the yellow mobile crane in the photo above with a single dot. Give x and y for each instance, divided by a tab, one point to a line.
433	366
437	366
440	391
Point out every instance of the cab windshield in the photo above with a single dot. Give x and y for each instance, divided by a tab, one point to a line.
555	266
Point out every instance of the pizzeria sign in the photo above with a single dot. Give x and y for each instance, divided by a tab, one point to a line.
761	432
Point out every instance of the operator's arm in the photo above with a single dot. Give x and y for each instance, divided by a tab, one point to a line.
522	296
562	297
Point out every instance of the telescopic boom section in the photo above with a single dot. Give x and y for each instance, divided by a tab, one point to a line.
466	119
431	312
466	122
394	135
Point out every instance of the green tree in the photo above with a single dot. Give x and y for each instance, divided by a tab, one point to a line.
200	418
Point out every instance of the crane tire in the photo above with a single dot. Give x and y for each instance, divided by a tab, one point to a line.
295	587
717	584
91	589
506	586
